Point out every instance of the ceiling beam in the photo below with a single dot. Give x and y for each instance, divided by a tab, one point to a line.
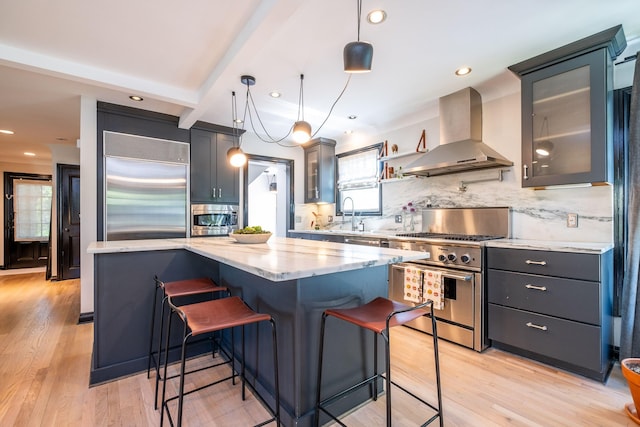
261	25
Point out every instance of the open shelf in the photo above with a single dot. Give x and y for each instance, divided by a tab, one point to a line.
400	155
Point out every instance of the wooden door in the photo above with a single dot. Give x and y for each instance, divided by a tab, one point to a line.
68	222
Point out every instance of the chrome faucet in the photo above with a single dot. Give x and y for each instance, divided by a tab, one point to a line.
353	213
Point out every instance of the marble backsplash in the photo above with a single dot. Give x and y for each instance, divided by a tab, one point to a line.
536	214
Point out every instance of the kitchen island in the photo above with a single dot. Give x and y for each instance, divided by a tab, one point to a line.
292	279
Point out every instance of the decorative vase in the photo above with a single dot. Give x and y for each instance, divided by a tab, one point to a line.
631	371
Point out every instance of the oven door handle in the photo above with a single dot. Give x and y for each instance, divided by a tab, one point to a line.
457	277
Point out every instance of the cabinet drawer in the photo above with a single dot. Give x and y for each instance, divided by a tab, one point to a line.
565	340
561	264
570	299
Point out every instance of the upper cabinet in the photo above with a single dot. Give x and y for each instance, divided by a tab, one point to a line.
319	171
567	112
213	180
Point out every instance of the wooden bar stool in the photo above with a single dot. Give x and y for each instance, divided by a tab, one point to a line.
211	316
175	289
379	316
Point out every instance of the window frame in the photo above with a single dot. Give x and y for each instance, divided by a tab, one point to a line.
339	199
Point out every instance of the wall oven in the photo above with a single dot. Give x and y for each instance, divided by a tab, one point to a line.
213	220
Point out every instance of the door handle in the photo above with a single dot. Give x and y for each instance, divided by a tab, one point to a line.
219	192
526	172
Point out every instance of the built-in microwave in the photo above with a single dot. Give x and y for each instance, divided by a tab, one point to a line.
213	220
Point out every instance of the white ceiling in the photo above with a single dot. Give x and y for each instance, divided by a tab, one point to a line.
185	58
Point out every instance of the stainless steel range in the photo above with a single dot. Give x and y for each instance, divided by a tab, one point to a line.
454	238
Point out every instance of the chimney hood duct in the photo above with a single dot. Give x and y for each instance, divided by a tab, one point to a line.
461	148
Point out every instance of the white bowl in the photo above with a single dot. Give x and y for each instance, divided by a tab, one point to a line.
250	238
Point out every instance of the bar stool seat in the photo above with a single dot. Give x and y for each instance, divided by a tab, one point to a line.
174	289
378	316
211	316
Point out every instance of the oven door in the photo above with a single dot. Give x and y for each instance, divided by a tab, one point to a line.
460	320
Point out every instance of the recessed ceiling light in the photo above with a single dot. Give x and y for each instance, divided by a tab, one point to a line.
353	117
28	153
6	131
275	94
463	71
238	121
376	16
136	98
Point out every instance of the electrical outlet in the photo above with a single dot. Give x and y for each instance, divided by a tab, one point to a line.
398	219
298	219
330	219
572	220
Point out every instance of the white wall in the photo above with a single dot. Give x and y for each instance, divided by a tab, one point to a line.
60	154
88	198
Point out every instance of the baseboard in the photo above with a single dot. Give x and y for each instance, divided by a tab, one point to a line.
85	318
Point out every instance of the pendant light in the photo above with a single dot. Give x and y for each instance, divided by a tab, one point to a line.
235	155
358	55
301	129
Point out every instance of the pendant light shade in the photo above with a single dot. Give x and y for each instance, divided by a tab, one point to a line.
358	57
301	132
236	157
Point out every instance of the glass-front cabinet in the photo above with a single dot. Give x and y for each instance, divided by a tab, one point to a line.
567	113
566	134
319	171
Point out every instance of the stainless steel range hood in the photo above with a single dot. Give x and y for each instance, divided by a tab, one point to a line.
461	147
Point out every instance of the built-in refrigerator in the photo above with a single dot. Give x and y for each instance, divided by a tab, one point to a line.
146	187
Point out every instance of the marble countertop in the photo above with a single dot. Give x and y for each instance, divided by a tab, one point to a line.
579	247
279	259
547	245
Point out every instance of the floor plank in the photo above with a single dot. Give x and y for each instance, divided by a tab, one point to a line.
46	356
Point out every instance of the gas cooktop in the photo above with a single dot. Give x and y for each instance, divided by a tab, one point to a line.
446	236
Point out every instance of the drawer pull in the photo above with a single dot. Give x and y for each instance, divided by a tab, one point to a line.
537	288
536	262
533	325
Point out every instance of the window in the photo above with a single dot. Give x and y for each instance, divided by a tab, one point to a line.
32	206
358	172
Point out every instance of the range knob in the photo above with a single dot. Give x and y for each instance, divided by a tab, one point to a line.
465	258
452	257
442	258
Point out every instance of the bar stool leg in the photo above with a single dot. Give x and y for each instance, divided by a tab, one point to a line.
164	375
387	351
436	359
319	379
151	333
182	370
162	317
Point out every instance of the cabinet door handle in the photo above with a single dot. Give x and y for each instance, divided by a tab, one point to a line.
526	172
219	192
213	193
537	288
533	325
536	262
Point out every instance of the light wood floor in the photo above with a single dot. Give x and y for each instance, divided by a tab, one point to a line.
45	357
